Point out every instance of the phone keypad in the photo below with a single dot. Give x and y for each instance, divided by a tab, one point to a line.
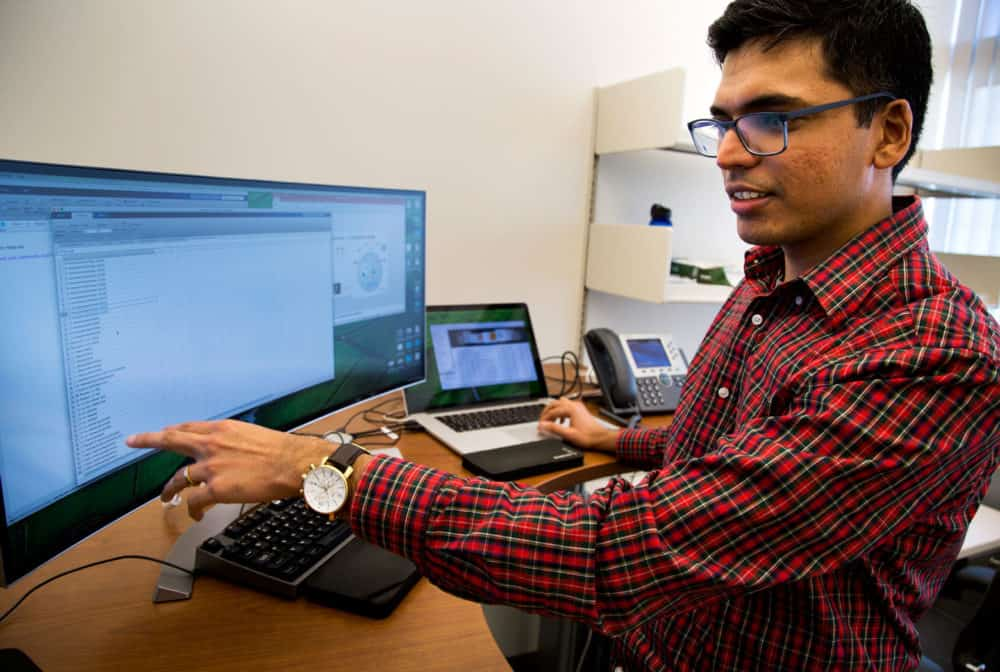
651	389
650	392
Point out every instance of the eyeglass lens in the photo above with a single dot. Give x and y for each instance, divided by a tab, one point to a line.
761	133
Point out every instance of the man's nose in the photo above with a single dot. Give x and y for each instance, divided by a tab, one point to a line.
732	153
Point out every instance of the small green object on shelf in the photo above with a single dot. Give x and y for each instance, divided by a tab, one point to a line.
683	269
706	274
715	275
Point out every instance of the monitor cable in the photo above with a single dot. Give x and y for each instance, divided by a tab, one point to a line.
88	566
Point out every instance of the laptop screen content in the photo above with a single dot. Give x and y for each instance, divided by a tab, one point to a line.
478	354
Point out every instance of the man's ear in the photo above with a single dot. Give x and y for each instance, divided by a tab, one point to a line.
895	121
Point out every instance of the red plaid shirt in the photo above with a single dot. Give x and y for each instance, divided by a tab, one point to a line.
835	436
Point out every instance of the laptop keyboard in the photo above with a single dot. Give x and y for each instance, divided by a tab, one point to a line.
497	417
273	547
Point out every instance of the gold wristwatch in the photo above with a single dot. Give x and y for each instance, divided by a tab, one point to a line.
326	487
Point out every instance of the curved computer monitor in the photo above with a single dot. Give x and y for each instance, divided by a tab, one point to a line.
134	300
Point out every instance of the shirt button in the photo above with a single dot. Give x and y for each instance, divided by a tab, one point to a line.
757	320
798	300
723	393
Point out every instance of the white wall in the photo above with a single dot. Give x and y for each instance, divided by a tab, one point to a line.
487	105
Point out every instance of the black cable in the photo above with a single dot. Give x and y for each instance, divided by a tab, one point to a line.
386	416
361	413
562	369
394	427
574	361
576	371
88	566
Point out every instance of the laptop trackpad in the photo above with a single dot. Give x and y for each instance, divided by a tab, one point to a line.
522	434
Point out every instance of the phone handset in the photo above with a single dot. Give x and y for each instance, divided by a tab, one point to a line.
613	375
638	373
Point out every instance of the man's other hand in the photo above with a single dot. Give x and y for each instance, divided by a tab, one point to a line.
582	430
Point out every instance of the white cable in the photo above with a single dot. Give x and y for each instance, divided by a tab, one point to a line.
583	654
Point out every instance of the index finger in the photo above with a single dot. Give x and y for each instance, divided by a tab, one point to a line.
196	426
167	439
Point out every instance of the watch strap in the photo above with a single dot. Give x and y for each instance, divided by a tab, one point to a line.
345	455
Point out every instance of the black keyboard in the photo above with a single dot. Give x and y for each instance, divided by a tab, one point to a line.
273	547
497	417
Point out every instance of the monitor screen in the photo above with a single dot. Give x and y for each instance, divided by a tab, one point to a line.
134	300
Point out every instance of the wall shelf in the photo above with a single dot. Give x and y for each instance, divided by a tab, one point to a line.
643	113
634	261
972	172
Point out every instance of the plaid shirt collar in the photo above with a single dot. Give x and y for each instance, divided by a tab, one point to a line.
841	282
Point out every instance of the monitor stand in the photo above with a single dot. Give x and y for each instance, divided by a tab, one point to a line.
174	584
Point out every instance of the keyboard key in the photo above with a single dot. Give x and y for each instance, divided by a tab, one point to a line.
212	545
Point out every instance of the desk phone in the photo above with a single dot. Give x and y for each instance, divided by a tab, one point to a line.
659	368
637	372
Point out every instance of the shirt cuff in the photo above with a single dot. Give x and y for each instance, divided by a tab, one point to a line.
393	504
636	446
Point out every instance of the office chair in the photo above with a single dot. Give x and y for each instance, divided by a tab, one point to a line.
964	626
977	648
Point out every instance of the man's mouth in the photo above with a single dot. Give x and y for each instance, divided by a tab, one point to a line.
748	202
747	195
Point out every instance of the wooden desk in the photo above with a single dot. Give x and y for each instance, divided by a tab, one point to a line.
103	618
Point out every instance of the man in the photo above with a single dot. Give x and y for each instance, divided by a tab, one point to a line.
838	426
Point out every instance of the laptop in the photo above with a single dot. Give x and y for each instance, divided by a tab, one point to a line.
485	388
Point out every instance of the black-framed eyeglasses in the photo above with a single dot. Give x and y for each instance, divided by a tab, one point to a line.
761	133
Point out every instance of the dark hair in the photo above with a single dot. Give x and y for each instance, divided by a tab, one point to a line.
868	45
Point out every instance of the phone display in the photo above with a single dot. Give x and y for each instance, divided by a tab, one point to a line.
648	352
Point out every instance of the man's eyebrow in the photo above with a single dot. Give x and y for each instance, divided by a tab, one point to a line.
764	103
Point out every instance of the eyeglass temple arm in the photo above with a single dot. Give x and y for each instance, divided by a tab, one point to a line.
830	106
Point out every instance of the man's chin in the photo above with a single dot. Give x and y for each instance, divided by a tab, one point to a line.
757	231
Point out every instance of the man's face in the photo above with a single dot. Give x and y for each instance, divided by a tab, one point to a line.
817	194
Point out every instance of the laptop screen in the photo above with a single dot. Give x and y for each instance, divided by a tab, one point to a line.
478	354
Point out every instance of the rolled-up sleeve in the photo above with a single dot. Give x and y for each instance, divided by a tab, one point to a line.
844	468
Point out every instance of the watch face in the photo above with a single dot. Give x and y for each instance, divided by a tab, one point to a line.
324	489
